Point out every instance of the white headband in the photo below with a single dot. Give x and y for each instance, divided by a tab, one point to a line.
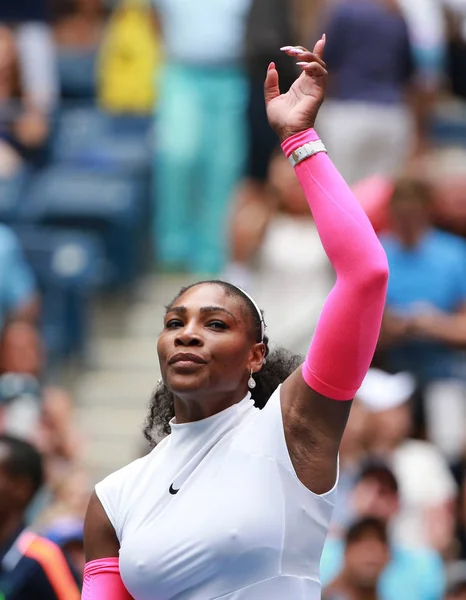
256	306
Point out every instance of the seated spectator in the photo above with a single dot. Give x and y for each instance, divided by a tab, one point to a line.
366	122
428	490
411	573
68	534
18	294
29	19
31	566
79	24
424	325
23	128
353	453
457	583
38	413
279	256
366	554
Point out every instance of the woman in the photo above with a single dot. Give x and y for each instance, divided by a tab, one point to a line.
236	502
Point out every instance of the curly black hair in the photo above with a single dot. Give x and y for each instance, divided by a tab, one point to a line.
279	364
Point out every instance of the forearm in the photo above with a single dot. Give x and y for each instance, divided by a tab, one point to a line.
348	328
449	329
102	580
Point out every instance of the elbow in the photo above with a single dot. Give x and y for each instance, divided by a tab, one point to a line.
375	273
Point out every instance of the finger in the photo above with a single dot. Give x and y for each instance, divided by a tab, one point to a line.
271	85
303	55
320	46
314	69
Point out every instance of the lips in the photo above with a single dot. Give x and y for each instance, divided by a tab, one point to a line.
186	358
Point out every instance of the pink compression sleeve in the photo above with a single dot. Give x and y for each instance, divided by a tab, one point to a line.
102	580
346	335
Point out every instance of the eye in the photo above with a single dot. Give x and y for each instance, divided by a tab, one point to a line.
217	325
173	323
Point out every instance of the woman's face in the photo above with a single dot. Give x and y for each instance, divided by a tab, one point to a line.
207	344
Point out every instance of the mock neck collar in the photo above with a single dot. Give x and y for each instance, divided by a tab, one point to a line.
223	420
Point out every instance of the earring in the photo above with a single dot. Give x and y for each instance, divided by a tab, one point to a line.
160	382
251	382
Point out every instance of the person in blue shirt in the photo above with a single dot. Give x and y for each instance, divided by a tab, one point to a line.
424	325
412	573
18	297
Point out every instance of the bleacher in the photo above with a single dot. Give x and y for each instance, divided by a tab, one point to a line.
82	215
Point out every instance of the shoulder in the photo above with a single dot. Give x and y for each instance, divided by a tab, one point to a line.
114	492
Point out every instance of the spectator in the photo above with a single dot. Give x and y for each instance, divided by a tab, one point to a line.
457	585
79	24
281	250
428	490
424	326
366	555
31	567
269	27
29	19
353	453
18	296
21	130
202	103
38	413
68	534
411	573
366	122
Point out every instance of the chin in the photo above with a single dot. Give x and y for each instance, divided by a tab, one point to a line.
180	384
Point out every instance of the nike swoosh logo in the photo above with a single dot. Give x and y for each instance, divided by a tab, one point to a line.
172	490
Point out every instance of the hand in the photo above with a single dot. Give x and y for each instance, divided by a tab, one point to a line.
426	323
297	110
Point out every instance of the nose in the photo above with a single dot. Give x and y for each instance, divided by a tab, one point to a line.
188	336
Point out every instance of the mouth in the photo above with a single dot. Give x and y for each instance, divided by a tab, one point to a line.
184	358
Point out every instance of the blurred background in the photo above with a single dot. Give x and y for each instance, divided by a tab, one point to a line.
135	157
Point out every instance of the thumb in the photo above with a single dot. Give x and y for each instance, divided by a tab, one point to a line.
271	85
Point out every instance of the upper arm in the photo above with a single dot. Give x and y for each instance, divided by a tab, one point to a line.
100	540
314	426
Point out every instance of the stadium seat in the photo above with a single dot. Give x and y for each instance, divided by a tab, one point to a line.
68	266
77	73
88	137
109	205
11	191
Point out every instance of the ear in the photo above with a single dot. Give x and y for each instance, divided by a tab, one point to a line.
256	357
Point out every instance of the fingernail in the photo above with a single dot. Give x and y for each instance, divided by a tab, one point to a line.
324	37
271	66
302	64
286	47
295	51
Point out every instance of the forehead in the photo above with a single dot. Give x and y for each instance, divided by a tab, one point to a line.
209	294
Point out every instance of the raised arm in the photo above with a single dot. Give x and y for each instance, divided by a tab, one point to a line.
315	399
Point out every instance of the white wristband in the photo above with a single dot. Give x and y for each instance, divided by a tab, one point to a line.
306	151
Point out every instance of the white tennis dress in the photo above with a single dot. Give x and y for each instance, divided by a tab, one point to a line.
216	511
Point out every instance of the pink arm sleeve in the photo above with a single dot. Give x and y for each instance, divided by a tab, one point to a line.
102	580
346	335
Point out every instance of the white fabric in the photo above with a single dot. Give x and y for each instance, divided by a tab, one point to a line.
425	482
364	139
241	527
382	391
292	264
445	406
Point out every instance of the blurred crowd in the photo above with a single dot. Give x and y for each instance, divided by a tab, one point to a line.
133	139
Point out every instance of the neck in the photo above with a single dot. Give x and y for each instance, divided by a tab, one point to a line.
8	526
190	409
350	589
